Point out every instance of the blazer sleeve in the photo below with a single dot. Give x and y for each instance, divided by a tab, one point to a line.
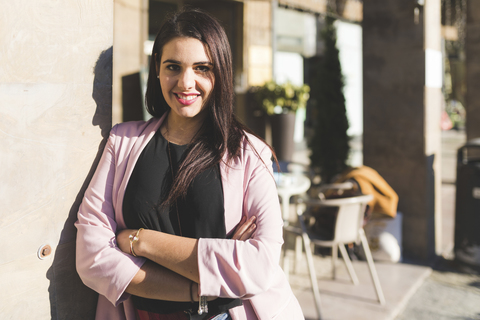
101	265
242	269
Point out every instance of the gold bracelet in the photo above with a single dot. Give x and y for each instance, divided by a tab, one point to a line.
134	239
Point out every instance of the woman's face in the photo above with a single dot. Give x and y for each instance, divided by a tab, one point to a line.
186	77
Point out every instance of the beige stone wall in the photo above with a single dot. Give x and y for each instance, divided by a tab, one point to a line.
349	9
311	5
55	93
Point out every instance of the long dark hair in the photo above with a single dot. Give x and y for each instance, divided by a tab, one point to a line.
221	131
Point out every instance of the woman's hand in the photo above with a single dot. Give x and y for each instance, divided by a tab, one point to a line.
245	229
123	241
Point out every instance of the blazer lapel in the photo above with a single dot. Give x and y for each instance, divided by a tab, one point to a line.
140	142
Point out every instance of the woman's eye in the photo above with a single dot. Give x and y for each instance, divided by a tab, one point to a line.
173	67
203	68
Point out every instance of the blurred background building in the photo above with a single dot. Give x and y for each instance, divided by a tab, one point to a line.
404	65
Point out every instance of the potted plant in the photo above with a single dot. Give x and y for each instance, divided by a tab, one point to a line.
280	102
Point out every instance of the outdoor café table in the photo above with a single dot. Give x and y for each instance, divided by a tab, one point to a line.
288	185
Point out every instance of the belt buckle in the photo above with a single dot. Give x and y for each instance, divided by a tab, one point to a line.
193	315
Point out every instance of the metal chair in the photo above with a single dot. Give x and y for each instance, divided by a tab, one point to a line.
348	229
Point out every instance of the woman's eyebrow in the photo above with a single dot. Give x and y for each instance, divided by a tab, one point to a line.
195	63
203	62
171	61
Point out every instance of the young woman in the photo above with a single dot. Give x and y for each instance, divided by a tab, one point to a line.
182	214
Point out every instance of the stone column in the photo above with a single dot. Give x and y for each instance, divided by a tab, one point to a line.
257	42
402	81
257	62
472	54
55	109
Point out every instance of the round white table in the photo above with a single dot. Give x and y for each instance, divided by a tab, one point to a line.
288	185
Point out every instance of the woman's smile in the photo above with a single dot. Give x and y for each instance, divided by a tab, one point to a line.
186	99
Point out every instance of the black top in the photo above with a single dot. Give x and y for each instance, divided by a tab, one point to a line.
200	214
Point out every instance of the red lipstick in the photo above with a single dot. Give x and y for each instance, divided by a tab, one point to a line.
186	99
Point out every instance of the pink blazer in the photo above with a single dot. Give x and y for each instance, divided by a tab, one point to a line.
248	270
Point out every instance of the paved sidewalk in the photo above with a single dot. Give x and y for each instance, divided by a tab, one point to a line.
342	300
451	292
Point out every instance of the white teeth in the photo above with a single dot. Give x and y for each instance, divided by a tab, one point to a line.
191	97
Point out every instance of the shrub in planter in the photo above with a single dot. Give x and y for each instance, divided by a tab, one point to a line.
330	143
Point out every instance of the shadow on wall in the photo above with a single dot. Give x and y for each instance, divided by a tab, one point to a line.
69	297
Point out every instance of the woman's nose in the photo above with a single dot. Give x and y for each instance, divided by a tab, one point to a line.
187	79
